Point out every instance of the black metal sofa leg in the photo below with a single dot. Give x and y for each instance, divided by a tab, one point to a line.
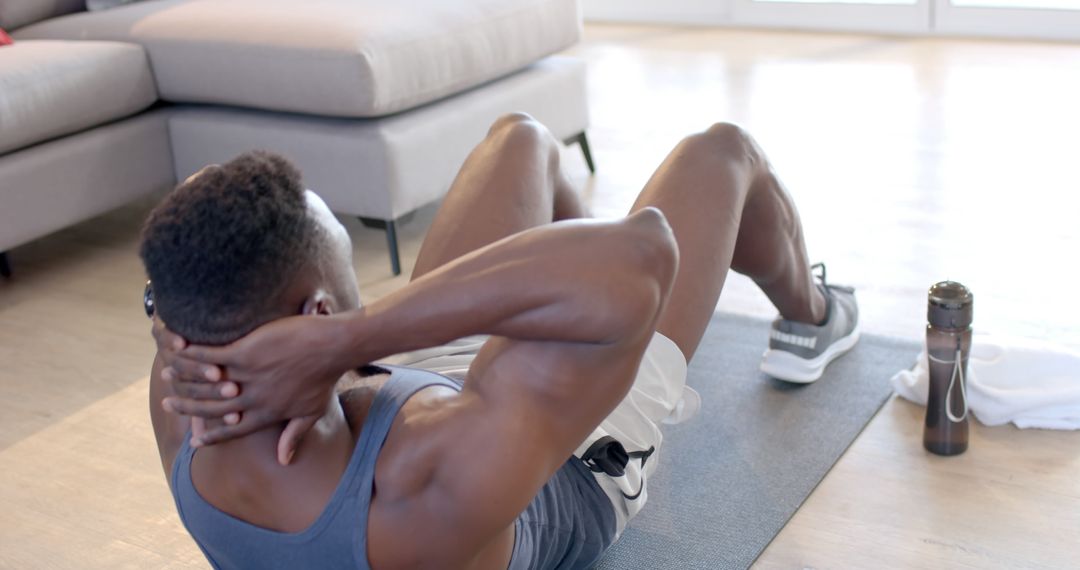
583	141
390	227
5	265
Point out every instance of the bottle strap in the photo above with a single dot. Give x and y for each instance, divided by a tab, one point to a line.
957	373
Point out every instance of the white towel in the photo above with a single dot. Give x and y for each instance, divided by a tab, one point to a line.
1028	383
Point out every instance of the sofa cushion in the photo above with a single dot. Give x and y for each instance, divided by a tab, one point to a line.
346	58
16	13
54	88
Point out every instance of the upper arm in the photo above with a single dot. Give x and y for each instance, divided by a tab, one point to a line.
528	404
169	429
558	365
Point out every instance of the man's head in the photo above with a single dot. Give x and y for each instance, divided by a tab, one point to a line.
241	244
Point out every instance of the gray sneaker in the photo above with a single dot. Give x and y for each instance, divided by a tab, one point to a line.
799	352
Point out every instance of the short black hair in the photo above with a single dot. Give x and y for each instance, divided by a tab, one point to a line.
222	248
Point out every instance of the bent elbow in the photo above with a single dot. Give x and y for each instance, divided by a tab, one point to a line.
657	247
649	272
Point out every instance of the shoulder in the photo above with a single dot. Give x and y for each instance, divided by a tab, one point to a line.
419	439
404	529
416	435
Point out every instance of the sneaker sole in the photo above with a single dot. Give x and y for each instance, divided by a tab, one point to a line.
785	366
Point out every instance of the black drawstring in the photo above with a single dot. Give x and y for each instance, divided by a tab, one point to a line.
607	455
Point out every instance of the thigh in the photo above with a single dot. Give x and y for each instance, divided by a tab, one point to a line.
701	188
504	187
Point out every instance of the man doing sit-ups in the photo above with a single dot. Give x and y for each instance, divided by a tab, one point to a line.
502	409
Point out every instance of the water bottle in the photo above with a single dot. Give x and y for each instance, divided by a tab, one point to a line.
948	345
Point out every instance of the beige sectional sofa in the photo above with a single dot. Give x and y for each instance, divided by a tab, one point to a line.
378	102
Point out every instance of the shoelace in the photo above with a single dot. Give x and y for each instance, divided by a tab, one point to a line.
824	282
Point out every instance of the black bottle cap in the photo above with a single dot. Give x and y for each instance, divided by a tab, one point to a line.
949	306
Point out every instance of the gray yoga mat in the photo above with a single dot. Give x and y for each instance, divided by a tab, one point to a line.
730	478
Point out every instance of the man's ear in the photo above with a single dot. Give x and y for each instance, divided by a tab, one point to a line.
318	303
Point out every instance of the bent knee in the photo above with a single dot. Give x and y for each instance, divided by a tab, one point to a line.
520	131
727	132
514	120
727	139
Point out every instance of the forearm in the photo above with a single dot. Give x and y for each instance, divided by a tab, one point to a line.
580	281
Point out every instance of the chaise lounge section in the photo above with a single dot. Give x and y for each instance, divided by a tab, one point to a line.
78	135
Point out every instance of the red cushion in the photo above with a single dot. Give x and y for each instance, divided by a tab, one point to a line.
5	40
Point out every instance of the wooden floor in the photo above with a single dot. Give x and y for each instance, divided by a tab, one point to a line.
913	160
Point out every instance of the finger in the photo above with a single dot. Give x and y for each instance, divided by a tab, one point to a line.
202	408
220	355
198	428
290	439
248	425
166	339
232	419
188	370
205	390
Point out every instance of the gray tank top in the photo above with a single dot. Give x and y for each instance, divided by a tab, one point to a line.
568	525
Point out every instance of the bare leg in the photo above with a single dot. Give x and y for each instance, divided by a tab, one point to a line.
509	183
728	210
